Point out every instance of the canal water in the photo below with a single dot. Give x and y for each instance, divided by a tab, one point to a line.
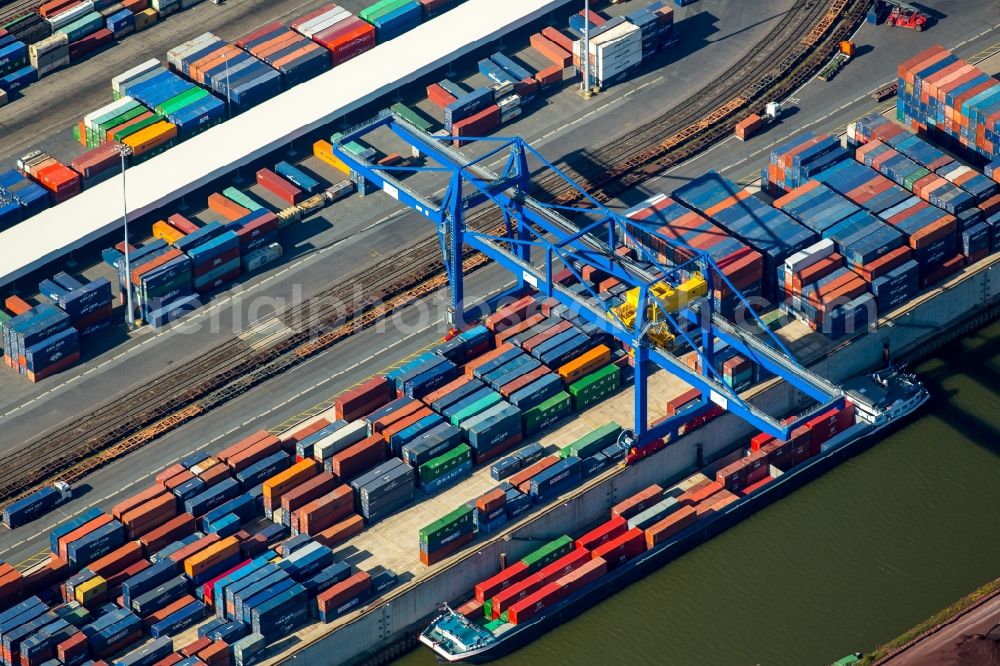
849	561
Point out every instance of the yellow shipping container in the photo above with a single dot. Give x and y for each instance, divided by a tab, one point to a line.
145	18
211	555
324	151
166	232
151	137
89	590
282	482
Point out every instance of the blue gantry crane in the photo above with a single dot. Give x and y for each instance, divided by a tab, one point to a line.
539	239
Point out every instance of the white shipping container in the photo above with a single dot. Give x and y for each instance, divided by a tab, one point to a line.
805	258
352	433
259	258
3	96
44	60
176	54
501	90
117	106
509	102
321	23
960	171
70	15
58	41
507	116
127	76
165	7
52	65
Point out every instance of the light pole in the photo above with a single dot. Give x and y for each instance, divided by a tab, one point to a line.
585	56
124	152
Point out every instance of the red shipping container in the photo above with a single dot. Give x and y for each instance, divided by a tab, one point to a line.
170	660
194	548
307	491
638	502
491	501
178	479
216	654
583	576
550	76
522	480
478	124
172	530
280	187
53	7
214	474
675	404
194	647
533	604
359	458
347	39
511	387
136	500
491	586
225	454
759	440
403	423
622	548
517	310
429	559
364	399
150	515
97	160
439	96
256	452
90	43
532	342
341	531
504	599
256	228
603	533
757	484
332	597
520	327
136	6
379	426
324	511
73	649
445	390
699	492
181	223
558	55
290	440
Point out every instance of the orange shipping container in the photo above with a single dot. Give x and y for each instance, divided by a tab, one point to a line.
225	454
192	549
323	512
196	564
166	232
559	56
170	531
150	515
116	560
585	364
671	525
151	137
255	452
281	483
136	500
142	269
226	207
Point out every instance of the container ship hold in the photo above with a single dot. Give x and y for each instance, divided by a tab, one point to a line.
563	578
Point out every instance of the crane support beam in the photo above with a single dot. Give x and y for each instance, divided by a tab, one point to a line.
539	238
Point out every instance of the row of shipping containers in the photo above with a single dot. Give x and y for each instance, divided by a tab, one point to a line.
40	340
900	216
61	32
642	522
944	95
206	79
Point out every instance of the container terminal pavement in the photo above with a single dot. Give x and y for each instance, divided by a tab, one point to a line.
184	168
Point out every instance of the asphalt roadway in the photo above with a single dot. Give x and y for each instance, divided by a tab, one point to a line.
311	385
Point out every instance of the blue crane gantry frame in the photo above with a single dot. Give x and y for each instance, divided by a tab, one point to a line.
530	224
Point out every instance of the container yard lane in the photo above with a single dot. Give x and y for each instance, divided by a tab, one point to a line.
347	232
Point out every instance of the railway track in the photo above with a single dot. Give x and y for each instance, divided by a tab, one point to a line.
786	58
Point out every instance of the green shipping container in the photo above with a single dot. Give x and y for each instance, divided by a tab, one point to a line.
910	180
595	386
593	442
380	8
242	199
184	279
444	525
493	625
411	116
488	609
352	147
178	102
543	415
128	114
132	129
477	407
445	462
548	553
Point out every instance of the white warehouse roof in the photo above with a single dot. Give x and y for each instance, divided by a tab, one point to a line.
194	163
